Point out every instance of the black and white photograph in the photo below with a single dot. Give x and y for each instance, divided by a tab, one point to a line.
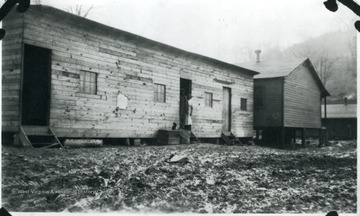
179	106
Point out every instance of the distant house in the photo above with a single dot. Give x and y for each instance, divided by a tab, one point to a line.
341	121
287	99
80	78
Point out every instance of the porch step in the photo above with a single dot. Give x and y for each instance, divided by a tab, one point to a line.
194	139
36	130
230	139
38	137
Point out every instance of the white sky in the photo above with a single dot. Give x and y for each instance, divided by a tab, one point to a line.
222	29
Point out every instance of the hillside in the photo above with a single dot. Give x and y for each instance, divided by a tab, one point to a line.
334	57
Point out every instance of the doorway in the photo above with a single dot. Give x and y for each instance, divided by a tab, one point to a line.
226	112
185	88
35	107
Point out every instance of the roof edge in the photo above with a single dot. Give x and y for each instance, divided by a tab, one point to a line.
55	12
324	92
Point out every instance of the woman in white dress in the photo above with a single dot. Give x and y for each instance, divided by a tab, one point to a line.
189	120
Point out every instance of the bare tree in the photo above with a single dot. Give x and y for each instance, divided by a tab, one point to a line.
350	62
80	10
324	65
320	57
351	45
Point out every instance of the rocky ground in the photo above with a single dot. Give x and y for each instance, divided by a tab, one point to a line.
213	179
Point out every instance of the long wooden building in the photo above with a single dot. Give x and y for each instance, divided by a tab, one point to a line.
85	79
287	99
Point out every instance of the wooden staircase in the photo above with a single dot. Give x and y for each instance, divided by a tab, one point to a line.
38	137
230	139
194	139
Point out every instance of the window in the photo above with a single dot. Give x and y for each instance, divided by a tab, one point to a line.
88	82
208	99
159	93
243	104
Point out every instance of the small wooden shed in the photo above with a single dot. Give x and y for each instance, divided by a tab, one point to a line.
85	79
341	120
287	99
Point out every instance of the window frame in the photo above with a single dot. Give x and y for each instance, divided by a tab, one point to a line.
209	100
159	90
88	82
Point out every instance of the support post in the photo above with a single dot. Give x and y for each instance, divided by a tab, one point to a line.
325	112
303	137
320	138
293	138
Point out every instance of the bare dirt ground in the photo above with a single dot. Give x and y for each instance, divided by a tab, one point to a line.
217	179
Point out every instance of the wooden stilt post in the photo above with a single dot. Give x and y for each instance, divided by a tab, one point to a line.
293	139
303	137
320	138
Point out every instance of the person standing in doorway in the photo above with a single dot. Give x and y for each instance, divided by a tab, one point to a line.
190	112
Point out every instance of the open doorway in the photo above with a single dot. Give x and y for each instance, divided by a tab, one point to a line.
185	92
35	107
226	112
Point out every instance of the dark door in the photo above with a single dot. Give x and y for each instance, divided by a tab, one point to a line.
185	88
226	113
36	86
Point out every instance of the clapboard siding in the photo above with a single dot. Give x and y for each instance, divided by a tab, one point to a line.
11	71
302	99
129	66
271	92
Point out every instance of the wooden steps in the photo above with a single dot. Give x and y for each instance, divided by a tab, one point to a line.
38	137
194	139
230	139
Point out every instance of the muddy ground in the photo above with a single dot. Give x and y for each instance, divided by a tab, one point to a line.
216	179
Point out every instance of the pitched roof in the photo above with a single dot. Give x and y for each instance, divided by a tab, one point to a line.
273	69
277	69
340	111
48	11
